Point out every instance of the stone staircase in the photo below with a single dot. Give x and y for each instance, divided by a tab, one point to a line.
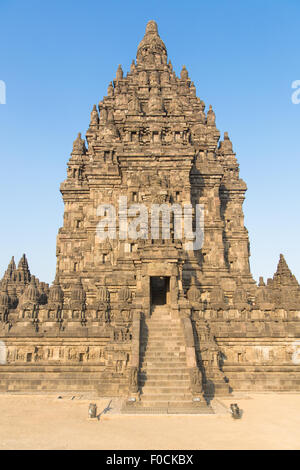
164	378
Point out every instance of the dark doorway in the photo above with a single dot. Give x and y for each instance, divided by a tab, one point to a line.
159	290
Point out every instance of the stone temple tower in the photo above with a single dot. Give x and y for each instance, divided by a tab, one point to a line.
157	319
152	142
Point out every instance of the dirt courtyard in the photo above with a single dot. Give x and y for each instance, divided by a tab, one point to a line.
270	421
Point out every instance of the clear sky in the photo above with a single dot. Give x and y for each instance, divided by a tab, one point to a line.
57	59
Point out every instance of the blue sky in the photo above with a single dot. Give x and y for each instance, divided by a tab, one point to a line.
57	59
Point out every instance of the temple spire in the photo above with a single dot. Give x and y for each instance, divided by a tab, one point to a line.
23	270
94	116
225	146
211	117
184	75
12	264
151	50
119	74
283	275
23	263
79	147
10	269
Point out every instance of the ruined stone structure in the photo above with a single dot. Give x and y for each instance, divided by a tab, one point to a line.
141	318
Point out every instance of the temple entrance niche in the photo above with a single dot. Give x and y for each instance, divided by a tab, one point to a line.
159	290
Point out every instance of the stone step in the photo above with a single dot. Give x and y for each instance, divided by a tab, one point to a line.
163	353
158	331
170	374
163	376
162	336
174	397
161	308
157	376
164	324
160	343
165	333
165	404
162	369
160	346
166	327
163	321
166	354
157	369
163	358
167	324
159	337
177	408
164	348
174	386
161	363
164	361
171	388
157	386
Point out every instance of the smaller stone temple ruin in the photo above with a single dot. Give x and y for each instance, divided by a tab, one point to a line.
148	319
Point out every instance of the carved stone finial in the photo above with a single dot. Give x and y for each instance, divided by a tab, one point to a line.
23	263
211	117
119	74
283	275
94	116
132	67
103	113
56	294
151	27
110	90
77	292
11	269
184	73
225	146
151	49
23	273
31	293
79	147
193	89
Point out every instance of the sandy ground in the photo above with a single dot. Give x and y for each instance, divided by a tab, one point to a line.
270	421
